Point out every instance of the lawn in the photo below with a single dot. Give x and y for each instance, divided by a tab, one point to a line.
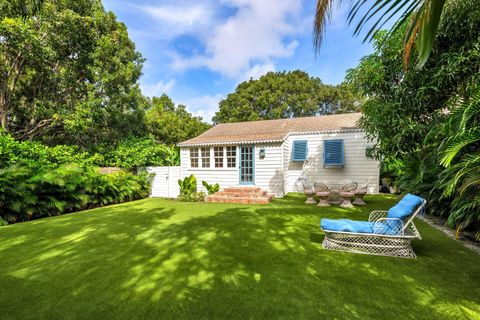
163	259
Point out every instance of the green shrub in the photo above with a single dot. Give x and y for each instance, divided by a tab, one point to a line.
211	188
33	153
3	222
30	192
138	152
188	190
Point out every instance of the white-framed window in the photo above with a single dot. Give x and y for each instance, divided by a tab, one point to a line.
194	157
231	156
218	157
205	153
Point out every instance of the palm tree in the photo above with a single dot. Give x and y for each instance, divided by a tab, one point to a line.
423	15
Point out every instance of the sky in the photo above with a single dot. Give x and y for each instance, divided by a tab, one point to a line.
198	51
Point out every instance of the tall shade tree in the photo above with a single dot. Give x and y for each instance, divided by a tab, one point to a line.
69	74
170	123
423	16
285	95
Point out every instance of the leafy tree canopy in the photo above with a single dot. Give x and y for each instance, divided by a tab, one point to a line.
170	123
69	74
284	95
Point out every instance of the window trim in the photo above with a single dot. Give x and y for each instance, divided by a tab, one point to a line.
208	156
194	158
218	155
233	157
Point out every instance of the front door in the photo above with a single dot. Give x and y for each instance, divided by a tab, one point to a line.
247	165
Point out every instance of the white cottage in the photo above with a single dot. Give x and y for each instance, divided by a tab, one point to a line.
274	154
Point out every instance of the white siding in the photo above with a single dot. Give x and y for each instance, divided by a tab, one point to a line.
268	171
225	177
358	167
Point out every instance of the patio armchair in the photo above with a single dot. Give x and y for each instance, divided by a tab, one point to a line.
387	233
323	192
308	189
359	194
347	192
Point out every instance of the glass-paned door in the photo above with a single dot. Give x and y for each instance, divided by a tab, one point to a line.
247	165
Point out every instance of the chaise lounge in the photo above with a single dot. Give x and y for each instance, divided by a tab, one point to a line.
387	233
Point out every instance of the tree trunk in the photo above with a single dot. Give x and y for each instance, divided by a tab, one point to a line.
3	113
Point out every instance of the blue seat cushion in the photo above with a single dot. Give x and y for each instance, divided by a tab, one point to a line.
405	207
388	227
346	225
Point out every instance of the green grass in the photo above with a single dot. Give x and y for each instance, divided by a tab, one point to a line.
162	259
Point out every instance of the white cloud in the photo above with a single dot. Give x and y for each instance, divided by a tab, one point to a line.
257	32
258	70
204	106
157	89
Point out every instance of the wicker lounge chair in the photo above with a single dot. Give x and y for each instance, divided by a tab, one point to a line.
387	233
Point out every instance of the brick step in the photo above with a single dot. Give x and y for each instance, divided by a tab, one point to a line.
242	194
243	189
241	200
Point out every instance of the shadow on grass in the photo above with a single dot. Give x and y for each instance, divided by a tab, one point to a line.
159	259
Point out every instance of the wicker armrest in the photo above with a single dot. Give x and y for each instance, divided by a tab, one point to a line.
377	214
388	226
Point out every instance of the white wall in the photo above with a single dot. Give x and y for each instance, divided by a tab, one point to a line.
225	177
268	171
358	167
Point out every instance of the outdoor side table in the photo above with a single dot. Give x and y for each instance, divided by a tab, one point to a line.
346	196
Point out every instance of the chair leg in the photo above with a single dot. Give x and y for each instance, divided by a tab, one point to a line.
359	201
311	200
323	202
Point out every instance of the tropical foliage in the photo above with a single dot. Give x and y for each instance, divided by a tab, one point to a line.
188	190
426	122
422	17
32	192
279	95
211	188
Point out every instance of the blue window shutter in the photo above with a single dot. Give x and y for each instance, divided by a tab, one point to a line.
299	150
333	153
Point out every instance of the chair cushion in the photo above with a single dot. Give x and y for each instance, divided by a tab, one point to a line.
346	225
405	207
388	227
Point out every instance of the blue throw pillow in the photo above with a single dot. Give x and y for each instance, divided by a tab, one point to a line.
405	207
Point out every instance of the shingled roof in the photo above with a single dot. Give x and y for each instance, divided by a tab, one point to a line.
272	130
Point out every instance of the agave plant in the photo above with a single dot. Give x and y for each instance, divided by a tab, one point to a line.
423	18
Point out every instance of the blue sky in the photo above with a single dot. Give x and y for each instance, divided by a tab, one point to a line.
197	51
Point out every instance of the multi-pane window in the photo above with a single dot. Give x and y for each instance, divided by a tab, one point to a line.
231	156
218	156
205	157
194	157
